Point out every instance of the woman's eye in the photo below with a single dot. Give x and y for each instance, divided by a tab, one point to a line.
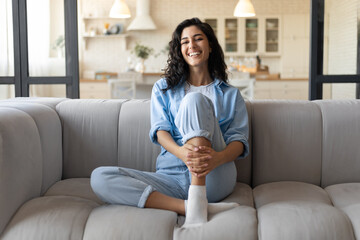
198	39
184	42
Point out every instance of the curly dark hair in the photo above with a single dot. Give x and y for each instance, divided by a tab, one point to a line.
177	68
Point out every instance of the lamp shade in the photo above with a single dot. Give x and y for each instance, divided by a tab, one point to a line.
119	10
244	8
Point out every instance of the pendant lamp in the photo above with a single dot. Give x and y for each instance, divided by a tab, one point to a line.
244	8
119	10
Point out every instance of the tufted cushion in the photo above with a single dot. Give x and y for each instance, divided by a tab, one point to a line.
56	217
296	210
90	135
346	196
286	141
341	151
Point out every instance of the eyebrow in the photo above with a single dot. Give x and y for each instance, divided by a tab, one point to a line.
196	35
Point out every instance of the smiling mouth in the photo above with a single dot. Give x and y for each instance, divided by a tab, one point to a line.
193	54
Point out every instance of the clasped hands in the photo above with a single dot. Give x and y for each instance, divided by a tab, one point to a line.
200	160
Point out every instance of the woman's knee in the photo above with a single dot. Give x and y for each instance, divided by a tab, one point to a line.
98	180
195	98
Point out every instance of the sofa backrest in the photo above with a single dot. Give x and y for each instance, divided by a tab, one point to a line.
314	142
30	153
341	141
286	141
90	135
113	133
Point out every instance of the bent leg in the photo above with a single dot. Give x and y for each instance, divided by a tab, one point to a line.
196	122
199	126
131	187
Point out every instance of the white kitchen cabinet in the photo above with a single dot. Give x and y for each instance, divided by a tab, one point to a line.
246	36
295	60
286	89
282	89
94	89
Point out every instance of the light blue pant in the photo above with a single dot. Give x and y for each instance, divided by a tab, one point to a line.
195	118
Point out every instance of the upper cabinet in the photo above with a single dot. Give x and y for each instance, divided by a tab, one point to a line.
246	36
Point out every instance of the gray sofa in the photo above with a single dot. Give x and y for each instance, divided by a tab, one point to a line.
300	181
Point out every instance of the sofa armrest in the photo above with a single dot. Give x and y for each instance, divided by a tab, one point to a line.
20	161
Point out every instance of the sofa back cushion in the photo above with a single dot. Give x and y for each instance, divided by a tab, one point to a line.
286	141
135	148
90	135
341	141
244	166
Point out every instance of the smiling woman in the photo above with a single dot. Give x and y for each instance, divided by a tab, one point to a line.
195	169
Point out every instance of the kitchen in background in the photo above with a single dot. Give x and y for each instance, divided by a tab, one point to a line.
271	48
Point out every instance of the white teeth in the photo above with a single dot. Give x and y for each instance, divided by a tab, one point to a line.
193	54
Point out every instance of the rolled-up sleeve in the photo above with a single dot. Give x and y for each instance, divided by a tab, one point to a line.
238	129
159	113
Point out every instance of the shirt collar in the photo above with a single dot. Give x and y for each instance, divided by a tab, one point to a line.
220	83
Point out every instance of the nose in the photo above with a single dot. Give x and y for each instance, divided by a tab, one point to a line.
192	44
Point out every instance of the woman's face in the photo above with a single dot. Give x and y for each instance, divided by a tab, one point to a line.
195	47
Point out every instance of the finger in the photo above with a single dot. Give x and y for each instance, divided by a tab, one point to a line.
191	147
198	167
198	161
197	155
205	148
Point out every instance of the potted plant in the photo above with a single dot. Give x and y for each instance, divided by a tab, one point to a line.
143	52
59	45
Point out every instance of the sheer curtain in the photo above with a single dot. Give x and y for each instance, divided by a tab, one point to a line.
38	16
6	39
6	47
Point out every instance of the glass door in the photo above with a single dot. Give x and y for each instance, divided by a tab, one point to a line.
231	33
251	35
272	35
213	23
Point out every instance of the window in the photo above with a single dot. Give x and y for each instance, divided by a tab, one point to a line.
335	48
40	42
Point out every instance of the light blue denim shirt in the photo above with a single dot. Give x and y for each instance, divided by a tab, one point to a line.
230	110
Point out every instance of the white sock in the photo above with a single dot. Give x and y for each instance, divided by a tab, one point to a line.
214	208
196	206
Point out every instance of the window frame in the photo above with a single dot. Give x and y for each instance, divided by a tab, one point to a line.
21	78
316	76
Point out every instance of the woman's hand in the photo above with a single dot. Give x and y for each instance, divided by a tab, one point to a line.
191	154
202	160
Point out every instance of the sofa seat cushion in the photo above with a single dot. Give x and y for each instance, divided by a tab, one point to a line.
55	217
237	223
76	187
295	210
124	222
346	196
242	195
240	221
